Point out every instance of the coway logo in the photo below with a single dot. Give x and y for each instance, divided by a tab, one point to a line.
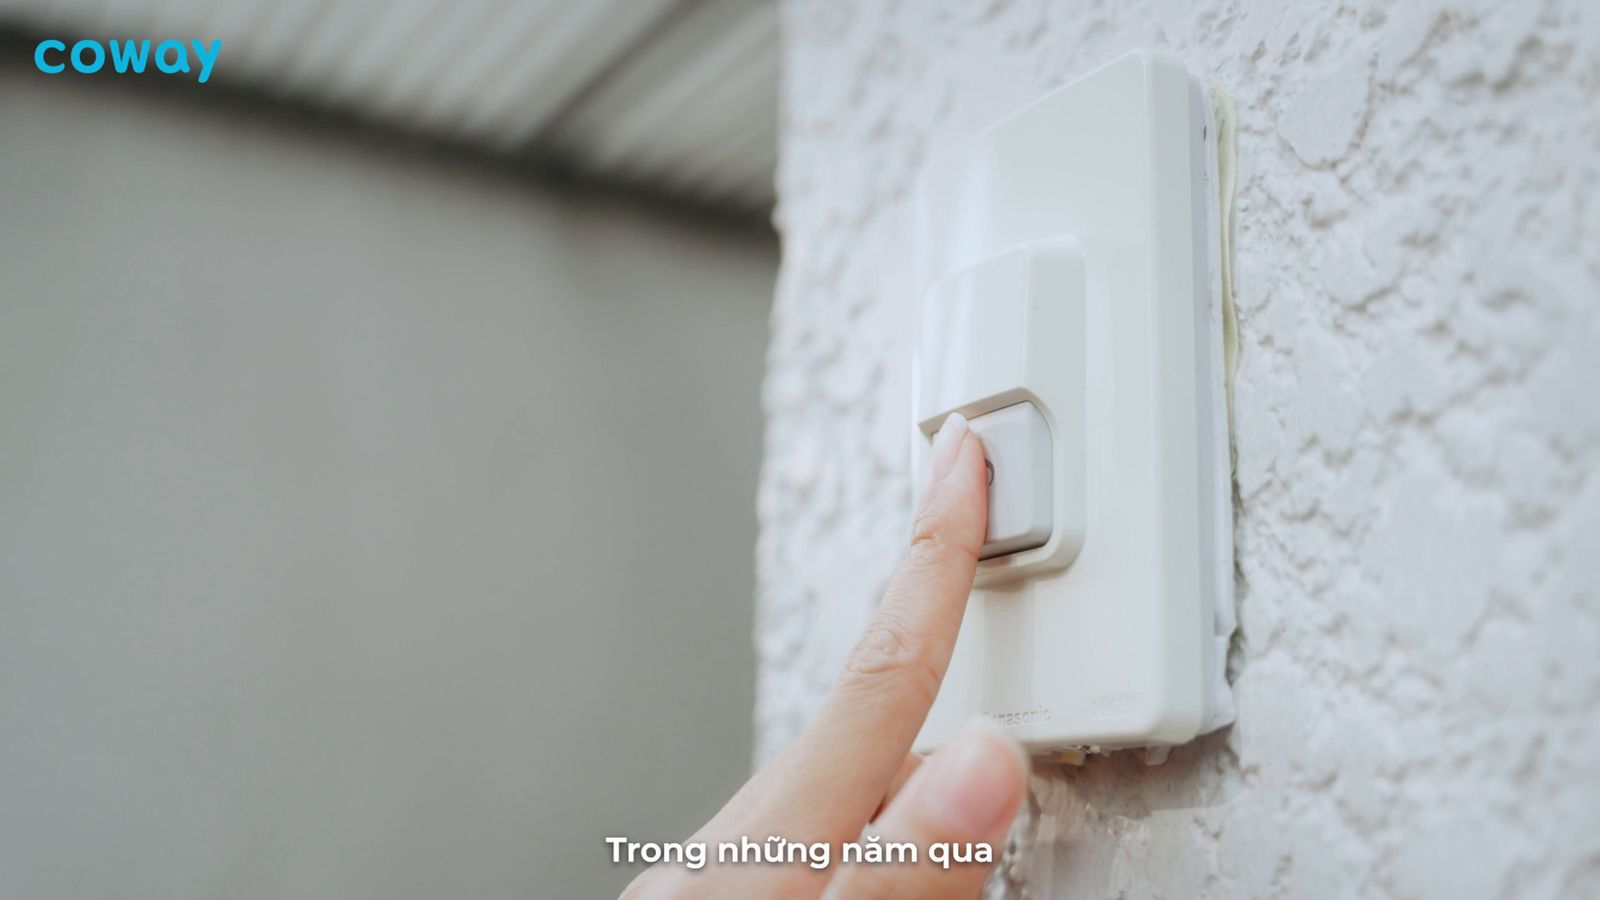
52	57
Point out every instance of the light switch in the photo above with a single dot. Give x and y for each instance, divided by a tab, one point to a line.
1016	443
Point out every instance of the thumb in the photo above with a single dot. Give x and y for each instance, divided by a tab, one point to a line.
965	796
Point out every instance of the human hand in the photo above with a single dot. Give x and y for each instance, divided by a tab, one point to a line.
852	765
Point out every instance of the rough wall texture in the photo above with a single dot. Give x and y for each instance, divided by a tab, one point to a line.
1417	425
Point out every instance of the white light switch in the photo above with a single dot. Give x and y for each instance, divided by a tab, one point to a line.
1016	444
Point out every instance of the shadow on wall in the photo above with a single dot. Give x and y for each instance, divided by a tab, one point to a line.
1067	804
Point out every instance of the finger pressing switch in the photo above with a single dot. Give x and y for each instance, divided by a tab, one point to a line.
1016	444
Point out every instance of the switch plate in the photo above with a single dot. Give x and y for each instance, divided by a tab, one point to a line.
1068	260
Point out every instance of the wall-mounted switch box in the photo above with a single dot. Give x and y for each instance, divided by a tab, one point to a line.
1071	311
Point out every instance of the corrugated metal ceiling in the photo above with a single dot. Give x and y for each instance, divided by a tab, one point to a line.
676	95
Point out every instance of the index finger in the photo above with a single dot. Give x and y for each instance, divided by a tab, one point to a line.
846	759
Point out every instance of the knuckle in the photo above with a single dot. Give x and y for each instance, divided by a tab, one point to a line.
932	538
889	656
927	535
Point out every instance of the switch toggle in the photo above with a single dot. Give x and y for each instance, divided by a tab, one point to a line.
1016	442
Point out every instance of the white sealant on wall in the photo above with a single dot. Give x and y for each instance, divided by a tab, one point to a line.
1417	275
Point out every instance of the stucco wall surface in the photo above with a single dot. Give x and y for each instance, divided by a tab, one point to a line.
1417	424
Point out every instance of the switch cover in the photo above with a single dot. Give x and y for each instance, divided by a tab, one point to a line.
1069	305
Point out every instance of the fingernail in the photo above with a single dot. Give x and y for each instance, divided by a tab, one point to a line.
946	445
976	783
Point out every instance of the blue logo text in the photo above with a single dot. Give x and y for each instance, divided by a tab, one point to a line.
88	57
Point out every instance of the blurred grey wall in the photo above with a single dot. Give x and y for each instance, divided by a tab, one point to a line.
367	529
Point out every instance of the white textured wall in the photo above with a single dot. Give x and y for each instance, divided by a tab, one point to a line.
1417	423
352	508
